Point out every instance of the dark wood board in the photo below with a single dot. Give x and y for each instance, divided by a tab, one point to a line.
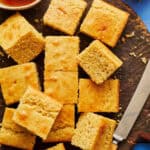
129	74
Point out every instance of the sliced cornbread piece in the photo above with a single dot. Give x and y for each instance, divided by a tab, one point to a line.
93	132
63	128
37	112
105	141
15	79
59	146
98	62
104	22
62	86
88	131
14	135
61	53
98	98
65	15
19	39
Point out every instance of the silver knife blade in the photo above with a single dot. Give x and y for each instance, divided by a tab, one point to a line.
134	108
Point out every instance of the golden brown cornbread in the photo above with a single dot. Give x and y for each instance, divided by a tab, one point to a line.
98	98
88	131
63	128
15	79
93	132
98	62
113	147
14	135
62	86
59	146
104	22
19	39
65	15
105	140
61	53
37	112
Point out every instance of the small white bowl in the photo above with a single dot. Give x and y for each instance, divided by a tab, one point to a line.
3	6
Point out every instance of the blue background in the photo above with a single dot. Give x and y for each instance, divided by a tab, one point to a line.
142	7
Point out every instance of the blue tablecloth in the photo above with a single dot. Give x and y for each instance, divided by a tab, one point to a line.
142	8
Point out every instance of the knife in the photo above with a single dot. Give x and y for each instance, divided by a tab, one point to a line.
134	108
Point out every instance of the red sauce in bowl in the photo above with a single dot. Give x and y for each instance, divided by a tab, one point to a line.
16	2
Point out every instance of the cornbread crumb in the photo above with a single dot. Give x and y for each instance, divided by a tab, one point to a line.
144	60
129	35
98	98
19	39
104	22
132	54
88	131
62	86
2	54
36	20
14	135
37	112
63	128
61	53
98	62
15	79
59	146
65	15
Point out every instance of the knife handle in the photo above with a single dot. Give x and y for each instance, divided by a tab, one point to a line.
114	146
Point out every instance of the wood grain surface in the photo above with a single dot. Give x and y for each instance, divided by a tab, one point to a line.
132	48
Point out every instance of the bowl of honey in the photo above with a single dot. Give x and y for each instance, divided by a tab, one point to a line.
18	4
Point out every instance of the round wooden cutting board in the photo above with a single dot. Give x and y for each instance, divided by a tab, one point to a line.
133	48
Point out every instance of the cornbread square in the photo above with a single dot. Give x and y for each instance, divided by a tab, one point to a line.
63	128
15	79
98	62
89	129
98	98
65	15
61	53
14	135
37	112
105	141
104	22
19	39
62	86
59	146
93	132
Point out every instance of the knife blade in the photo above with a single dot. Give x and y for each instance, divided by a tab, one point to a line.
134	108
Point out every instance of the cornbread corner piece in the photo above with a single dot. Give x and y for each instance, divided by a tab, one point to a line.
93	132
59	146
20	40
14	135
98	62
15	79
89	129
61	53
37	112
104	22
63	128
98	98
105	141
65	15
62	86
